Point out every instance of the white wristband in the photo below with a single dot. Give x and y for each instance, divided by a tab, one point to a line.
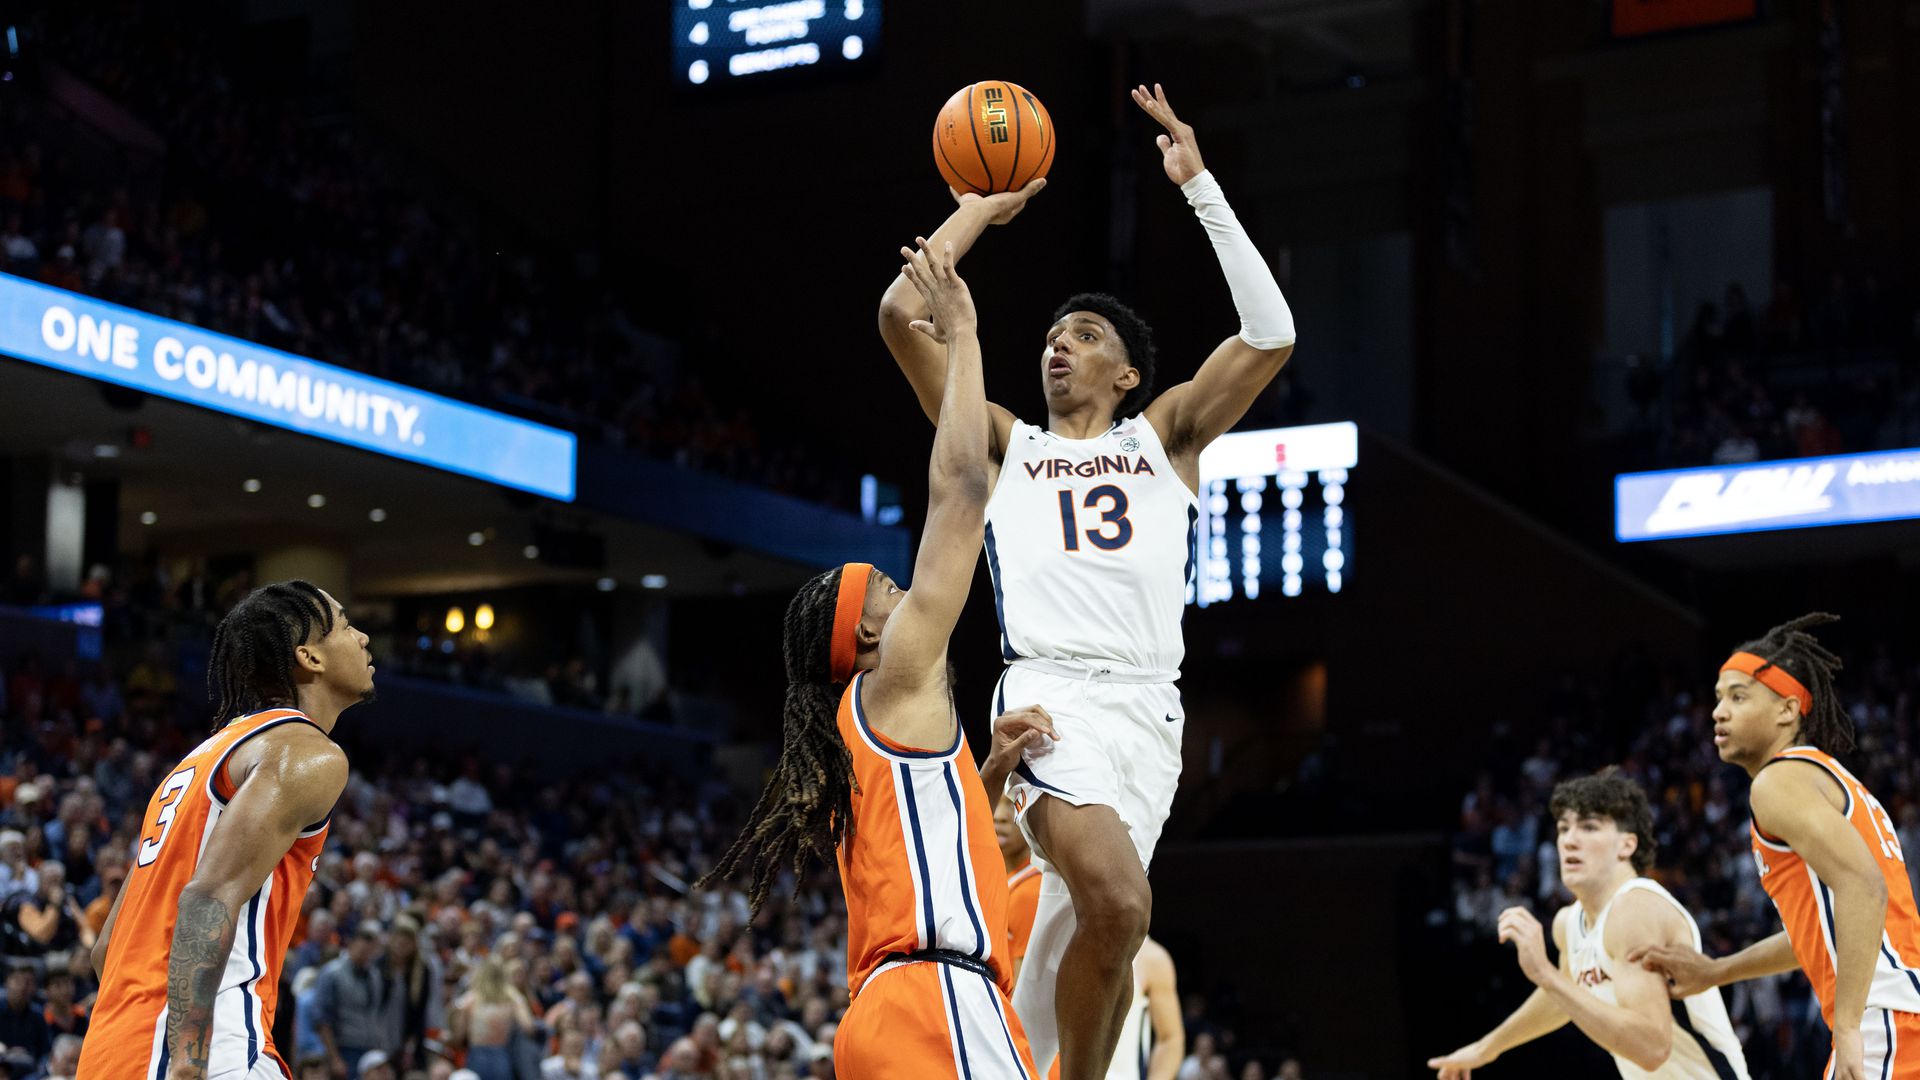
1265	320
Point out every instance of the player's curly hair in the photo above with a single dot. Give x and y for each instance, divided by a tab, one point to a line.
251	666
1613	795
807	807
1135	335
1793	650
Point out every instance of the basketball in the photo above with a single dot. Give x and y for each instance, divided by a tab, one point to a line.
992	136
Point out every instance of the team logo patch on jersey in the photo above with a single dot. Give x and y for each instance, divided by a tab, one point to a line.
1130	444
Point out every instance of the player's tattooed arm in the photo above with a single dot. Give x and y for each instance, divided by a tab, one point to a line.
202	941
295	775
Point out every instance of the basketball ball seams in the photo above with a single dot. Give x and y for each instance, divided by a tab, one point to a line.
973	188
973	125
1047	128
1017	131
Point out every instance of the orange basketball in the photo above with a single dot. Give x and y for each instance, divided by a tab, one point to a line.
991	137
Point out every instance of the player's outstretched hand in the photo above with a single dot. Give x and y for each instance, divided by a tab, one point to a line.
1179	154
949	301
1005	206
1460	1064
1688	971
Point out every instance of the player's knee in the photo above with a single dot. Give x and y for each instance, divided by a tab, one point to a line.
1118	909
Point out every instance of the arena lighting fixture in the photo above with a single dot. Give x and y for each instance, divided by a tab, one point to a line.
376	515
106	450
654	581
531	551
456	620
476	538
316	500
250	485
605	584
483	617
149	517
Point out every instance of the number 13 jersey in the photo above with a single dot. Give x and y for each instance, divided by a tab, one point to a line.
128	1034
1091	545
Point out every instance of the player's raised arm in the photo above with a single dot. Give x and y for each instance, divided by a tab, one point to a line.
922	359
1789	802
294	785
915	644
1193	414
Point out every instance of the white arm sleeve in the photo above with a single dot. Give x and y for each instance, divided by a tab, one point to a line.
1265	320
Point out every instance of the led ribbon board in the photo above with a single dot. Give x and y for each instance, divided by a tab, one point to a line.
1842	490
1271	512
103	341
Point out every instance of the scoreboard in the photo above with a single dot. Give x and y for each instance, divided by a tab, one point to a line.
717	42
1273	515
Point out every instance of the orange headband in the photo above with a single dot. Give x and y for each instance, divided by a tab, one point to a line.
846	617
1772	676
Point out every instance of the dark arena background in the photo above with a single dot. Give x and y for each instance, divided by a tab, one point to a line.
543	337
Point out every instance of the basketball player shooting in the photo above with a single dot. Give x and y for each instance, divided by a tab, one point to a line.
1090	539
189	958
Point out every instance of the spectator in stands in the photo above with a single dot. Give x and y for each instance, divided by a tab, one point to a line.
351	1001
489	1020
630	1058
416	1002
64	1015
16	874
64	1062
50	917
375	1065
22	1025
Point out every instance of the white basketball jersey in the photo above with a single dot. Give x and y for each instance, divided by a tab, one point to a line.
1091	545
1130	1053
1704	1046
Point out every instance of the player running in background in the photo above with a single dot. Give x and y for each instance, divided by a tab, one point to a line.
1826	852
874	768
1091	544
1606	847
189	959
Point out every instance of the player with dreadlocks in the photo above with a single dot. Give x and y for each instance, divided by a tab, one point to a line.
1827	854
189	959
874	767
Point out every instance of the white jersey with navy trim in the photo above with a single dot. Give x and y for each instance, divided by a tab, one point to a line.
1704	1045
1090	543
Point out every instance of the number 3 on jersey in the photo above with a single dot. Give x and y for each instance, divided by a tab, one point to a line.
170	795
1113	515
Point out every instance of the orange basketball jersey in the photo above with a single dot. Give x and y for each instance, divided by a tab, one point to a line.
1806	903
127	1038
1023	902
922	869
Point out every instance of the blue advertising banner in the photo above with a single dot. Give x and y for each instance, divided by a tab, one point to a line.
1840	490
74	333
